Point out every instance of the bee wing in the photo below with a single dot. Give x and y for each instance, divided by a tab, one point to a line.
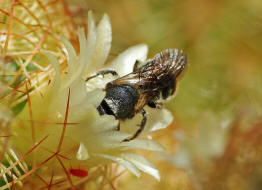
174	60
137	80
156	76
131	79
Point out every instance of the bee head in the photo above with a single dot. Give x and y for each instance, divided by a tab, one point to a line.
119	101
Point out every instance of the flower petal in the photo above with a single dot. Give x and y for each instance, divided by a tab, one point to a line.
82	153
87	53
159	119
53	60
141	163
103	44
144	144
71	54
77	65
124	63
128	165
112	138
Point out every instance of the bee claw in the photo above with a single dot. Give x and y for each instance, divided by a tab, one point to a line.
103	73
125	140
118	127
140	129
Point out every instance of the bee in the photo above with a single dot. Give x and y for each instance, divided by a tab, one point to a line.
150	84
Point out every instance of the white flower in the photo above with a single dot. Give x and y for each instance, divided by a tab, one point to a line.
209	143
93	138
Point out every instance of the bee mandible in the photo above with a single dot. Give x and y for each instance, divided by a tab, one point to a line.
150	84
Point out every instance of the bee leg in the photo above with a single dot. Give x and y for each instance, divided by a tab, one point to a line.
173	89
118	126
103	73
159	106
137	65
141	127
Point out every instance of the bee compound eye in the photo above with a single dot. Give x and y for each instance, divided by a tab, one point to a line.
104	108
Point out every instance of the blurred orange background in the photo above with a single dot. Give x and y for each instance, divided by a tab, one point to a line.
215	139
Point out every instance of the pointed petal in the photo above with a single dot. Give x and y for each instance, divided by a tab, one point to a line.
124	63
144	144
83	49
128	165
103	44
141	163
82	153
71	54
76	67
159	119
84	109
53	60
91	41
112	138
87	53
